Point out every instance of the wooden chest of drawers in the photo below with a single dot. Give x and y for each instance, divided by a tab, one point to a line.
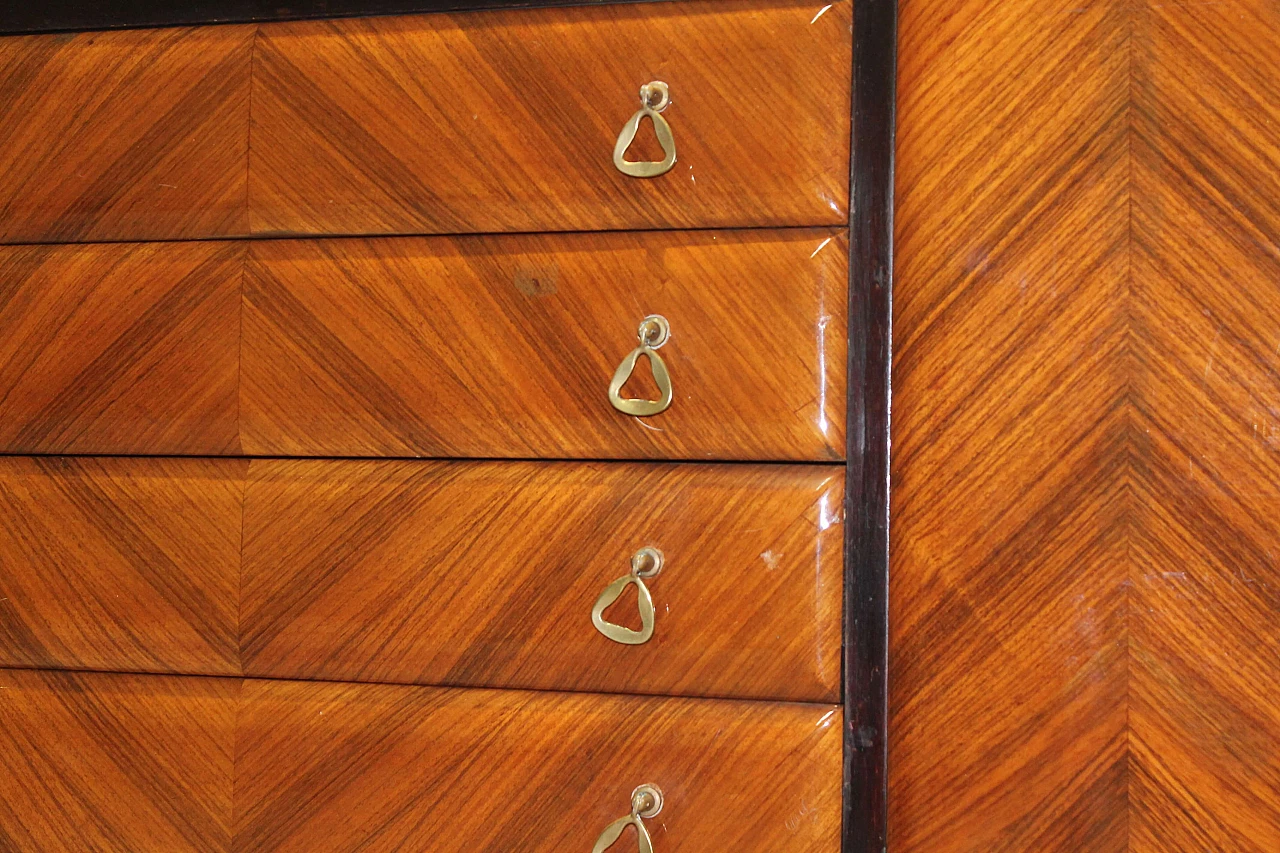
321	524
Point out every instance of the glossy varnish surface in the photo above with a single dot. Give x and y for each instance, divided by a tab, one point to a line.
459	573
471	122
155	764
500	347
135	135
1085	578
120	564
485	574
120	348
116	762
324	767
473	346
499	121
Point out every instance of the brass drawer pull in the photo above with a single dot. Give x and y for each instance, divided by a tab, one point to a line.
646	802
645	563
654	331
654	98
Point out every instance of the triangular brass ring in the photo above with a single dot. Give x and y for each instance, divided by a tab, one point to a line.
619	633
630	405
645	168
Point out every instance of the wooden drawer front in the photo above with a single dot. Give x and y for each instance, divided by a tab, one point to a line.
120	564
474	347
135	135
500	121
432	572
473	122
127	348
323	767
504	347
486	573
116	762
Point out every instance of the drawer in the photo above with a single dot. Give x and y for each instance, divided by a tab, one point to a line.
473	347
163	764
328	767
504	347
120	564
487	573
506	120
472	122
116	762
462	573
128	135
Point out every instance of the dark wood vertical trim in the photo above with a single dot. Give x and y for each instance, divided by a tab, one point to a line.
866	660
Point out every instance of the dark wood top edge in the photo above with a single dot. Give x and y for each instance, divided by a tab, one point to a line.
866	610
53	16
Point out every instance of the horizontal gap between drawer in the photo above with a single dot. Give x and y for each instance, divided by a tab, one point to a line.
824	463
256	238
612	694
61	16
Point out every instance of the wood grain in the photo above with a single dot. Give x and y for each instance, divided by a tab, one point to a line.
120	348
115	762
477	347
1204	605
506	120
1008	686
132	135
485	574
120	564
334	767
504	346
1084	601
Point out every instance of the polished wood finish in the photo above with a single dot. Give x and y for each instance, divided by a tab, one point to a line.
120	564
866	543
1204	600
132	135
116	762
506	120
380	767
504	346
1084	583
472	122
120	348
460	573
476	347
485	574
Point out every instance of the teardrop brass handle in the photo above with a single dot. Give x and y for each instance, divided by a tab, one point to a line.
654	331
646	802
654	98
645	563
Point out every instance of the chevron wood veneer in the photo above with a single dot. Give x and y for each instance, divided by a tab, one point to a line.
502	347
485	574
1085	608
120	564
505	120
323	767
459	573
116	762
469	346
488	121
122	348
132	135
163	763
